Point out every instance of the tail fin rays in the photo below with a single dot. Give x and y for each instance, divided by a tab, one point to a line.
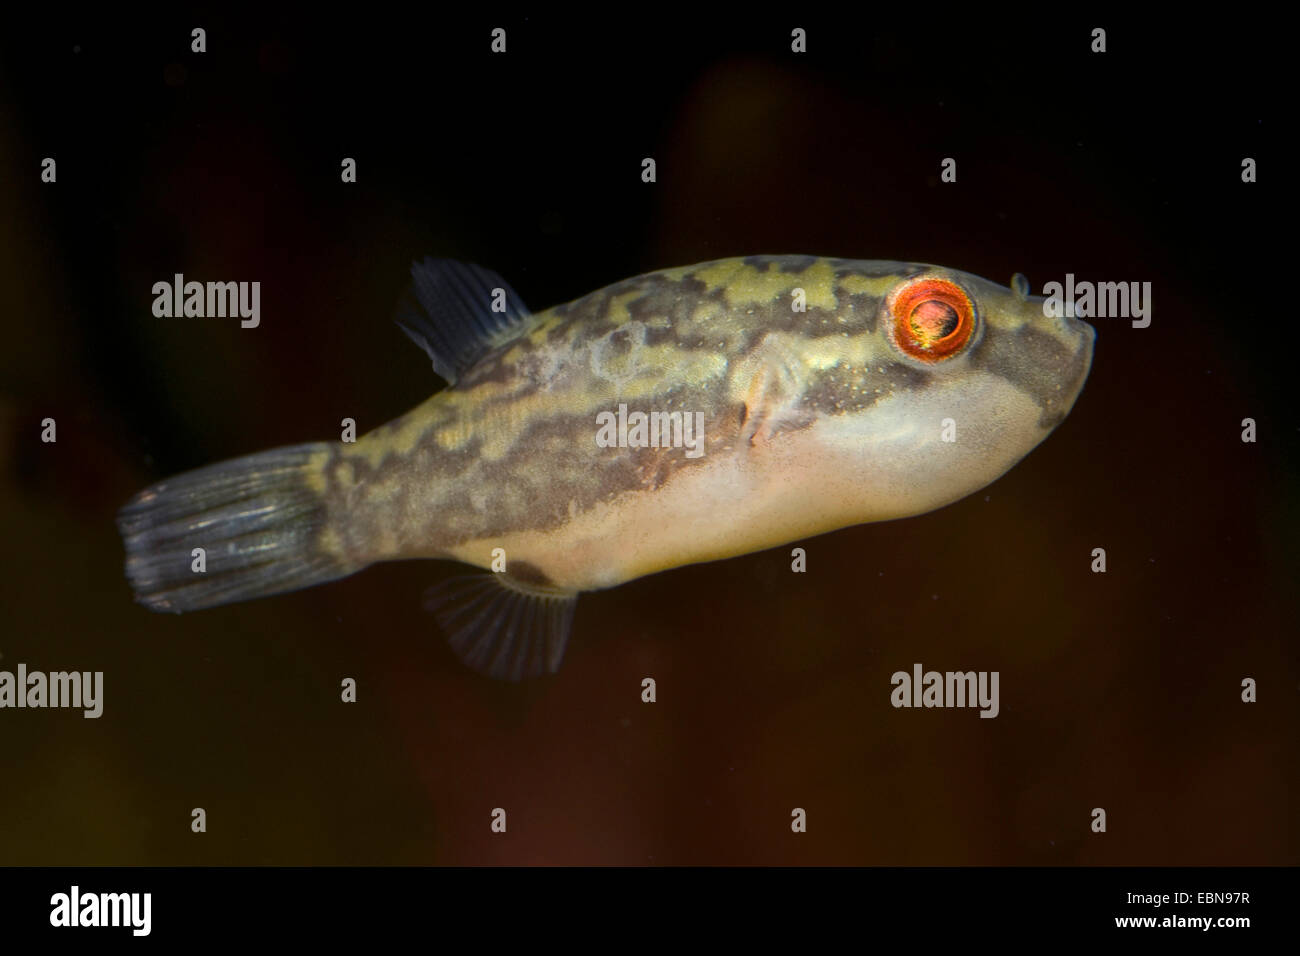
258	519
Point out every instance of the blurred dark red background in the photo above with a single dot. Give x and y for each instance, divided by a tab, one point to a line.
1119	691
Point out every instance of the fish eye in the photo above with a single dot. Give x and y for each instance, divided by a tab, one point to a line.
932	319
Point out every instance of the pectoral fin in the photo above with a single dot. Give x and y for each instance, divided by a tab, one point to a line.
503	627
771	400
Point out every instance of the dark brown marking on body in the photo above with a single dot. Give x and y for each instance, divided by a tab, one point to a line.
876	268
864	308
791	265
1035	362
846	391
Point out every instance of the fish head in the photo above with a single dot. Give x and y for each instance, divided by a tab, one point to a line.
971	377
1011	335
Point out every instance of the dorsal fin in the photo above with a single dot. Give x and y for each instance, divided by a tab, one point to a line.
448	312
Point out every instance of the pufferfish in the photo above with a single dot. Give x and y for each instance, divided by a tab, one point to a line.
681	416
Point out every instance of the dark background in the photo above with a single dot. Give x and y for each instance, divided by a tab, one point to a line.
1118	691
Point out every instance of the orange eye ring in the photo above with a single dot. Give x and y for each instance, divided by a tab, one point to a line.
932	319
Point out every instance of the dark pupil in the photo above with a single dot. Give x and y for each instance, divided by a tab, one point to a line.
933	320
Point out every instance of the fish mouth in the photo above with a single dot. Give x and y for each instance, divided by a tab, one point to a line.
1087	341
1080	326
1087	336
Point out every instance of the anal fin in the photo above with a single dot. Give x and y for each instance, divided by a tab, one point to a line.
503	627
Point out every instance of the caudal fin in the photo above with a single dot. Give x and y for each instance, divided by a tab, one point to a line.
258	519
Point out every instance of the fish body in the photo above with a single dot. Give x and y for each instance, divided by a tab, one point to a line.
681	416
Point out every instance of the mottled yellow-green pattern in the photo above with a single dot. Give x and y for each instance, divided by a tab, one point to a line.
813	419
